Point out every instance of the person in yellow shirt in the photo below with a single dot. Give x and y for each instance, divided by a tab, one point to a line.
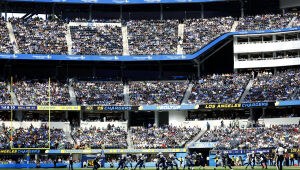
292	159
233	160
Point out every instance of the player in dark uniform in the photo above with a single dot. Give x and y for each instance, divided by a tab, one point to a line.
201	160
228	161
162	162
122	162
140	162
96	163
263	160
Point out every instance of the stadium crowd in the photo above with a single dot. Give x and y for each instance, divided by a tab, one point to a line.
37	93
265	22
95	138
216	88
199	32
145	37
152	37
160	92
224	88
38	36
163	137
33	137
5	45
5	93
99	93
254	138
272	87
4	140
96	40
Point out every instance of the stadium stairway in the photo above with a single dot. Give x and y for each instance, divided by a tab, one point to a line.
68	136
12	38
13	95
195	139
180	37
69	39
5	135
246	91
72	95
125	40
126	94
187	94
235	24
290	25
295	94
129	141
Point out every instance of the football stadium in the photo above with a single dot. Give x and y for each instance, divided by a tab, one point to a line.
150	84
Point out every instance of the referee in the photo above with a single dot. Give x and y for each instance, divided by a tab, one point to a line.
279	157
71	162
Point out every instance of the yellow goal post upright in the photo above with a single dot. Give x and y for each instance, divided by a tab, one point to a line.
11	120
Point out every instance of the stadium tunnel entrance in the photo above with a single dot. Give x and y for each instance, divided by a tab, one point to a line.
141	118
203	151
148	118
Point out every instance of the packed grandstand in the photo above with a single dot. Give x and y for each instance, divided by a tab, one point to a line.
177	112
145	37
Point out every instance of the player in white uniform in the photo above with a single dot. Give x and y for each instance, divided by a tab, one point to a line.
128	162
248	160
172	160
188	161
218	159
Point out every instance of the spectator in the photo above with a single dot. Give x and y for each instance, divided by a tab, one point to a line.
254	138
269	87
5	45
265	22
152	37
99	93
198	32
97	138
4	93
38	36
165	137
225	88
97	40
159	92
37	93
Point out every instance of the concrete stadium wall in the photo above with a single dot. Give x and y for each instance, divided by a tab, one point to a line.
280	121
213	123
101	125
177	117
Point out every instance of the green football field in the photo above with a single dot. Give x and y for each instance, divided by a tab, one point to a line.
196	168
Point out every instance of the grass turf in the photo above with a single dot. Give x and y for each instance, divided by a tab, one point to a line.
195	168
